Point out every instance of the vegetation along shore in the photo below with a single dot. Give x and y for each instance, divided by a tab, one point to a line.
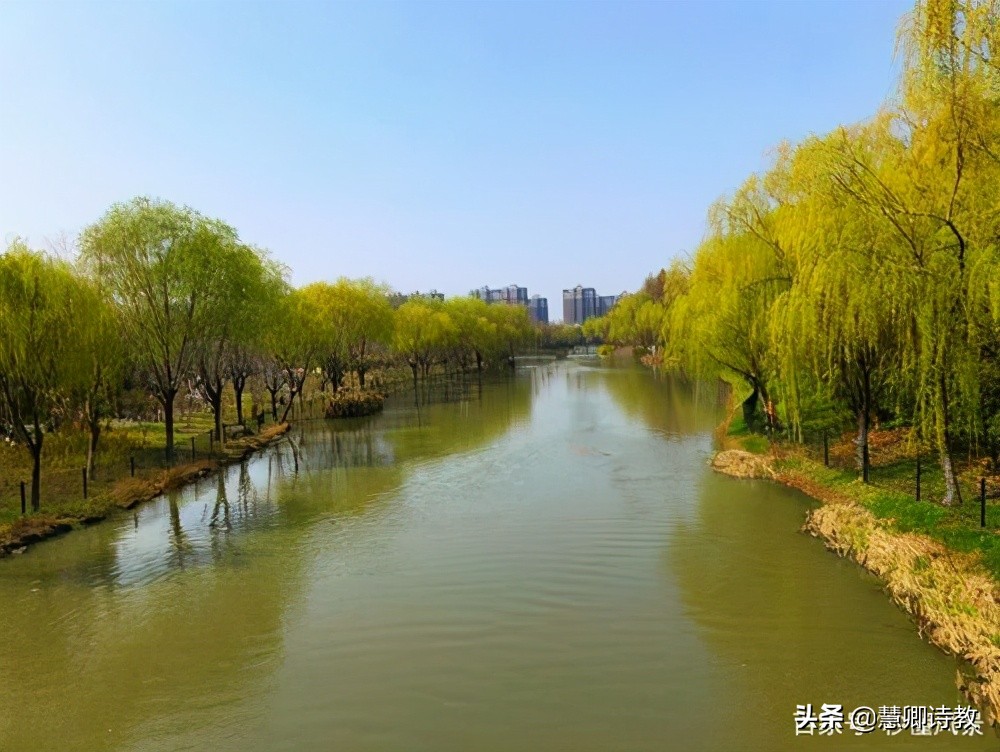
940	566
848	293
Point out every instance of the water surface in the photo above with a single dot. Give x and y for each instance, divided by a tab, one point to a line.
539	563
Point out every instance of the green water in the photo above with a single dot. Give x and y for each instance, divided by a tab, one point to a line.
543	563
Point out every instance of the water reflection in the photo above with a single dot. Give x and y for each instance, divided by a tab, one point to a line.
670	405
542	562
138	632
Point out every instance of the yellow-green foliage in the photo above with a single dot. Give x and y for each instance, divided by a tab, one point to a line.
861	269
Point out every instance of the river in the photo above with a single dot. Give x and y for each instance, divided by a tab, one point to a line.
540	563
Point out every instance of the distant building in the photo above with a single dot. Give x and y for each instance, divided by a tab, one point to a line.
579	304
487	294
511	295
605	303
582	303
396	299
538	309
514	295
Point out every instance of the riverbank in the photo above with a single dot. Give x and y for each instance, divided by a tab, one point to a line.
16	536
951	592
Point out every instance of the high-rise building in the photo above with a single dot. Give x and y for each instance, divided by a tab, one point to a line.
605	303
579	304
538	309
488	294
514	295
511	295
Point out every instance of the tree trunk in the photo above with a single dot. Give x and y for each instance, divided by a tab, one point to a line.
861	444
295	389
215	399
238	387
36	470
952	492
750	408
94	423
479	361
168	420
361	376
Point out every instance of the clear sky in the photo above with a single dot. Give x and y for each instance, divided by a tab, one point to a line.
429	145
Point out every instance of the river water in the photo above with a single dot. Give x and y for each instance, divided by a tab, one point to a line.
540	563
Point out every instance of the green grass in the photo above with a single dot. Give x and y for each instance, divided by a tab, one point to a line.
752	442
756	444
891	496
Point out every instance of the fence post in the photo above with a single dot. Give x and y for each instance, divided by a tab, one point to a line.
84	483
131	463
918	477
982	502
24	508
826	450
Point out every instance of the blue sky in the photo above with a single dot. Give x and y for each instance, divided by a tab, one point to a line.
430	145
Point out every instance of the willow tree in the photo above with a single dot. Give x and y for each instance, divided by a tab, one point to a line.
513	328
421	328
836	326
165	268
248	285
362	316
244	361
598	329
951	121
636	320
104	357
721	326
43	356
329	338
475	334
290	339
921	171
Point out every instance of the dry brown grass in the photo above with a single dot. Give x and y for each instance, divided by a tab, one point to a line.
132	491
952	600
742	464
28	530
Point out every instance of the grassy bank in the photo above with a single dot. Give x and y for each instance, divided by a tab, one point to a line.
63	507
935	562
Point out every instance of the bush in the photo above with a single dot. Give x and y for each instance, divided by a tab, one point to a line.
353	403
